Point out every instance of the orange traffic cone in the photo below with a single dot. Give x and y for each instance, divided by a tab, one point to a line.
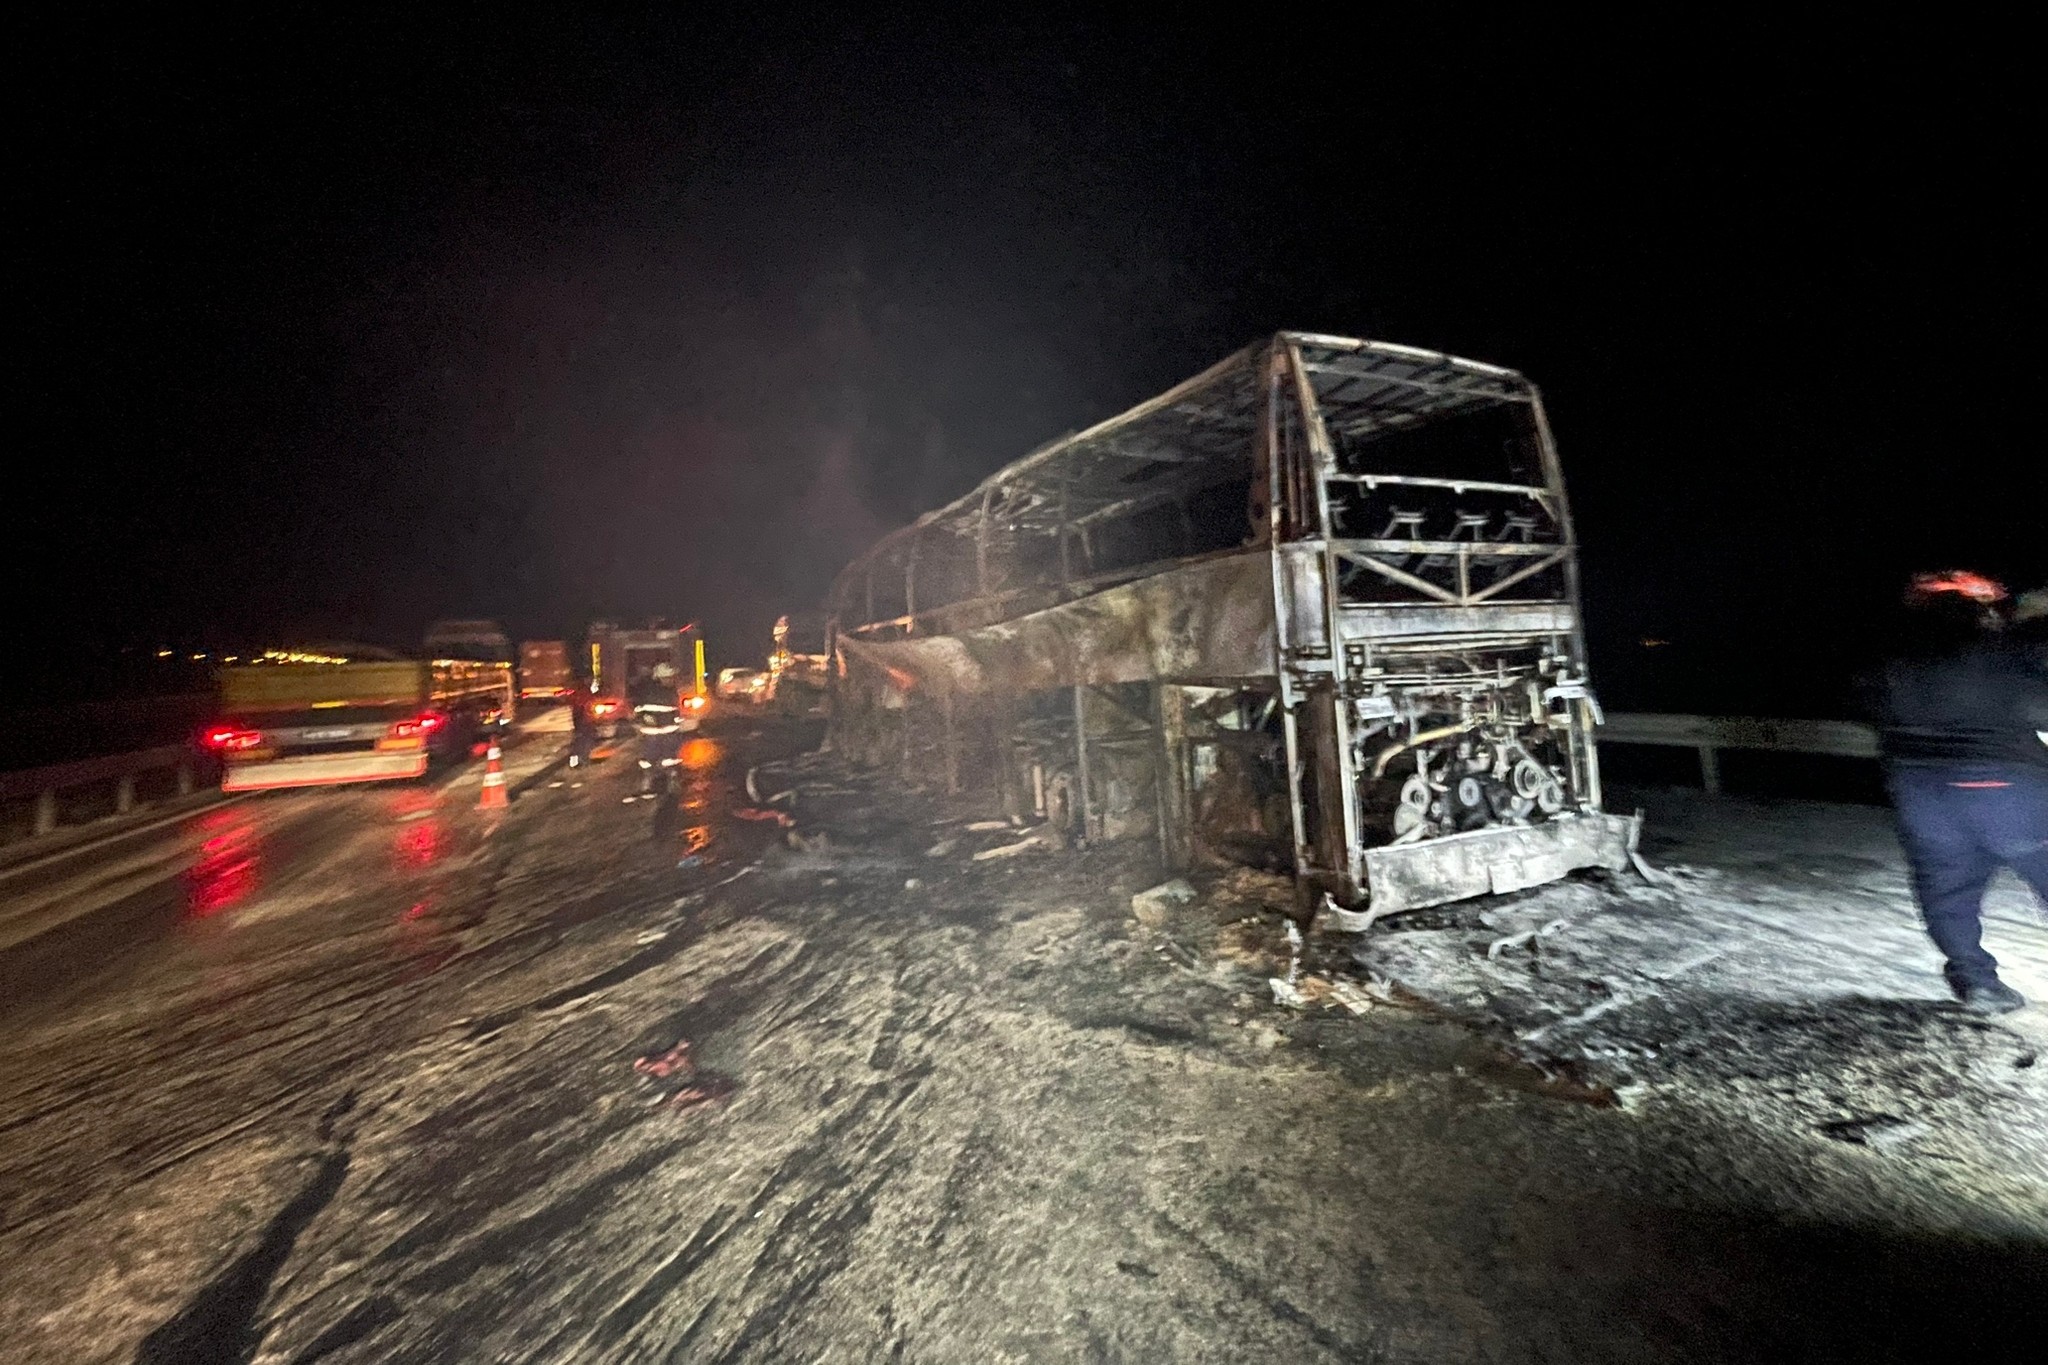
493	797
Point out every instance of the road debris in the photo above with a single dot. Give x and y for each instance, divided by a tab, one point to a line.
1307	991
1878	1131
1155	906
1334	918
942	848
1526	939
1344	993
666	1063
1288	990
1034	844
692	1085
1584	1016
1697	960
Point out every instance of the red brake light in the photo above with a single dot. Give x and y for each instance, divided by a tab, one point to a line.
603	708
231	738
420	726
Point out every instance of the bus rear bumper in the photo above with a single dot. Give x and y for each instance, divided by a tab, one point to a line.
1495	861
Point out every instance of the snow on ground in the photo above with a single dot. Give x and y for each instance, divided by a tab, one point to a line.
609	1081
1776	971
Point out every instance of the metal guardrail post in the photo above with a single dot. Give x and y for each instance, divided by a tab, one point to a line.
46	810
1710	769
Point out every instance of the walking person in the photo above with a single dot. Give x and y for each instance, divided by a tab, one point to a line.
582	730
1960	711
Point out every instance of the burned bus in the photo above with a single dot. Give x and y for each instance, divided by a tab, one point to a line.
1316	607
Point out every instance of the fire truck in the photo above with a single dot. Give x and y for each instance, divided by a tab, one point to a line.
625	661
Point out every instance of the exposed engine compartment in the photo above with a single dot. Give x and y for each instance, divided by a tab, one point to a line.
1442	755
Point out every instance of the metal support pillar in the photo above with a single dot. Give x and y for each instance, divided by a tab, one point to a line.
910	591
1323	463
981	543
1000	711
1081	762
952	745
1176	838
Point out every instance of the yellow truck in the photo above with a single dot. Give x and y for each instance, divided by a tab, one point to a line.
315	718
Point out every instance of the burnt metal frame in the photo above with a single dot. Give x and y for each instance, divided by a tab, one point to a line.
1306	668
1080	482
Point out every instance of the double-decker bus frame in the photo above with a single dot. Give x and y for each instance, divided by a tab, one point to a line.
1318	605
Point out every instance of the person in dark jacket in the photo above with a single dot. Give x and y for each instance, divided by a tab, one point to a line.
1961	711
657	715
582	730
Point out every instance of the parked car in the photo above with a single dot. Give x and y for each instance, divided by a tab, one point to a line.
742	684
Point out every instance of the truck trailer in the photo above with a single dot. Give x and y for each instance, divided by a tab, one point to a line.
347	714
544	672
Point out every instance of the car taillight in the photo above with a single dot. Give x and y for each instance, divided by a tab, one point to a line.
694	703
603	708
420	726
231	738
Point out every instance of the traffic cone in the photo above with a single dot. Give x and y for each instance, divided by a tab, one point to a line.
493	797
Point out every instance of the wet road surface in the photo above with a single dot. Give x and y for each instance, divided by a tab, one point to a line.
372	1076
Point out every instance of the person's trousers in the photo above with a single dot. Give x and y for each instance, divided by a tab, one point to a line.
1959	826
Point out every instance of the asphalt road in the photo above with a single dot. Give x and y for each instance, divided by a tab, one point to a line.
375	1076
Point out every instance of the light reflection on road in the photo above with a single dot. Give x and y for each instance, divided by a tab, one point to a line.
229	866
420	844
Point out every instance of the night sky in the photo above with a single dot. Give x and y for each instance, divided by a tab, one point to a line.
328	325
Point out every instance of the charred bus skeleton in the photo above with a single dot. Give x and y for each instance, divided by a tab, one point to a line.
1315	607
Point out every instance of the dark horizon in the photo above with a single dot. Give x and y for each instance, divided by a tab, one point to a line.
337	327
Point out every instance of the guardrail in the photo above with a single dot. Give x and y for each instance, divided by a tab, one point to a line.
47	783
1711	734
1708	735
